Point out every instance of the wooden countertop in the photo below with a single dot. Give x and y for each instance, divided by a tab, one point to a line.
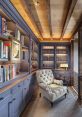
14	83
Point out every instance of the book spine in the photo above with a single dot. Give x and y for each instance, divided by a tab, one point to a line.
22	39
0	25
1	74
4	26
1	49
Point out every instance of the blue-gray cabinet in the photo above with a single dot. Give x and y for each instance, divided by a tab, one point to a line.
13	101
26	91
4	110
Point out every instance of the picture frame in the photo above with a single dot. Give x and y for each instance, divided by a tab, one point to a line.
15	51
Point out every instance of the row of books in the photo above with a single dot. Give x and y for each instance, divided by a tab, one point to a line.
3	26
3	50
48	47
6	28
48	51
61	58
7	72
61	51
48	63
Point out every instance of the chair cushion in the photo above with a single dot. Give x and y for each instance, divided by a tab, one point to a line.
57	88
58	82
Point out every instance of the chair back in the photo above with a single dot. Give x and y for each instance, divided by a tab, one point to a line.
45	76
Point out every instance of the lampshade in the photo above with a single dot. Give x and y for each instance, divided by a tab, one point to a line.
64	65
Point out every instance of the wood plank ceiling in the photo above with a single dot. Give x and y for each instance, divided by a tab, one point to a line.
51	20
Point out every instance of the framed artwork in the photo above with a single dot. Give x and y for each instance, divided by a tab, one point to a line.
15	51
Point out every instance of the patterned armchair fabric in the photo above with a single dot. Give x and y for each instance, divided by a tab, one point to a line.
51	88
45	76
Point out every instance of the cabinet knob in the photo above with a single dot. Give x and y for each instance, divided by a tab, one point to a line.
19	86
1	98
14	99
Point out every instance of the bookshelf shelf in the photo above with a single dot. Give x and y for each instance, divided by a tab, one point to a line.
4	38
61	58
47	57
34	56
3	60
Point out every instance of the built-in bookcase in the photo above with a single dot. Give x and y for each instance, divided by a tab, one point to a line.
47	57
55	57
61	58
34	56
15	50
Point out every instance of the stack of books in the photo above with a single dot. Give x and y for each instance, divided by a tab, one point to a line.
22	39
3	26
17	34
7	72
3	50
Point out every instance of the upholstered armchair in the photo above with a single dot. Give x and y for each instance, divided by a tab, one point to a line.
50	88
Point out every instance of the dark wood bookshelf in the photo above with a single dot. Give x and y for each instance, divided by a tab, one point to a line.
58	54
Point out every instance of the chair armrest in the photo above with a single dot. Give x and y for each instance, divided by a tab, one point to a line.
58	82
43	85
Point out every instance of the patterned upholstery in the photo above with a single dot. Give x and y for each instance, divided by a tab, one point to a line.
45	76
51	88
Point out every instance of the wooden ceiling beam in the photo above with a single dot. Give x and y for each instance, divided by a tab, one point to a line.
78	25
71	8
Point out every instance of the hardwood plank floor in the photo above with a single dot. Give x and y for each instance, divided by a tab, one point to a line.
68	107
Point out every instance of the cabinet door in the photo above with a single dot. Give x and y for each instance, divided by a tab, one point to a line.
11	109
15	106
4	110
17	103
26	91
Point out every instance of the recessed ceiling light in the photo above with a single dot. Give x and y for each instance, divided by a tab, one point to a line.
61	39
37	3
51	38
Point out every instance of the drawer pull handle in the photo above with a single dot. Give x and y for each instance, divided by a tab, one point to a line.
14	99
19	86
10	102
1	98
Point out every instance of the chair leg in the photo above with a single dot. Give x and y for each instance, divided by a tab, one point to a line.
51	104
65	95
40	95
67	91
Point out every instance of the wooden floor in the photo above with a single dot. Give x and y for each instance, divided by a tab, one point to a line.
68	107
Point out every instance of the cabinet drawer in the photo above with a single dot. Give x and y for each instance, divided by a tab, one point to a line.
5	100
26	82
20	85
14	89
5	94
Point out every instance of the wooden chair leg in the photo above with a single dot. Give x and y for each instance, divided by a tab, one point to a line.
40	95
51	104
67	91
65	95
